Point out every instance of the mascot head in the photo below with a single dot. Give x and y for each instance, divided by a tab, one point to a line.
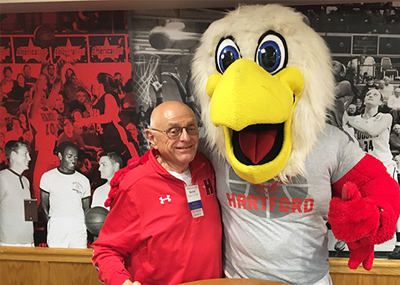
263	79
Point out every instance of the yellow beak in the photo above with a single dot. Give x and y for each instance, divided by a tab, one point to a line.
255	110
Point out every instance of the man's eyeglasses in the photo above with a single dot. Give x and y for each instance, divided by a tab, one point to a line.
175	132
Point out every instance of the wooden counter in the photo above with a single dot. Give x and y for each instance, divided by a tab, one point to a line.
234	281
48	266
383	272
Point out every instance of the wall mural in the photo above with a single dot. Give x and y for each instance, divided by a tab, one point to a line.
138	59
67	77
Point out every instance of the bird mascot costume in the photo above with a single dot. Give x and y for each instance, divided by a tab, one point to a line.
263	79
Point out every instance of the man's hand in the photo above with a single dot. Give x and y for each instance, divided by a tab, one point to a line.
128	282
174	75
156	84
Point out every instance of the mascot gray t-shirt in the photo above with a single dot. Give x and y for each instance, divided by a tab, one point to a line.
270	224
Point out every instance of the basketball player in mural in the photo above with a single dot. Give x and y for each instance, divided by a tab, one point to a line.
65	197
372	130
109	163
14	189
113	136
45	122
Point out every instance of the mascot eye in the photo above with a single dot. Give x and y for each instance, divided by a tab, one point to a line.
272	54
227	53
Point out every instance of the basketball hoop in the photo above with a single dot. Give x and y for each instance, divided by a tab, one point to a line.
144	67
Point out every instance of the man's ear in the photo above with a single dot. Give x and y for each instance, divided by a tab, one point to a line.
12	155
59	155
150	136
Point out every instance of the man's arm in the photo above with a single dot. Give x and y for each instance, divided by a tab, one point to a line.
38	93
157	87
111	112
51	101
44	201
384	122
177	79
86	203
343	89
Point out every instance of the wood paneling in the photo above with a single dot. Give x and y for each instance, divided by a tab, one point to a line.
47	266
383	272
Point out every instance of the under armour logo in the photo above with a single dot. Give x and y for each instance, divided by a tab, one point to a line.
164	199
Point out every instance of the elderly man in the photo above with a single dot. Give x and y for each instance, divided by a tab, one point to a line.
164	223
14	189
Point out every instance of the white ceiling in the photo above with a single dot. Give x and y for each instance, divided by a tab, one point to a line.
23	6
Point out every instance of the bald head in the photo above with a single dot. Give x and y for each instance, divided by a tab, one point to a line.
167	110
174	133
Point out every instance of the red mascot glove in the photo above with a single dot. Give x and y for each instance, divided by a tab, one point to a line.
361	251
353	217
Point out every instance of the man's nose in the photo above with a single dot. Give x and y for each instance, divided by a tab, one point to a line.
184	135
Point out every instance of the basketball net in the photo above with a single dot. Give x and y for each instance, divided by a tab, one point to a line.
144	67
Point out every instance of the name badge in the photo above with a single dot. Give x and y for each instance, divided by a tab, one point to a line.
194	200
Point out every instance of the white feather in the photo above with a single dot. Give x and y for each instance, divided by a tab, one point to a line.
307	51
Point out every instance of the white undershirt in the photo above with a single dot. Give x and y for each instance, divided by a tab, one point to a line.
184	176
